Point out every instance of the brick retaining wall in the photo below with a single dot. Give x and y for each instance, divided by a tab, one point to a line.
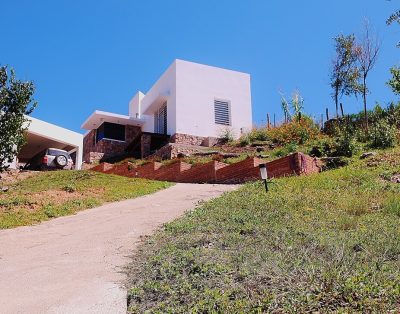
214	171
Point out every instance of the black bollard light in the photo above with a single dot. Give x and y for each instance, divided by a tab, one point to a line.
264	175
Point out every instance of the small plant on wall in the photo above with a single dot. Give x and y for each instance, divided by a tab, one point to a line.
227	135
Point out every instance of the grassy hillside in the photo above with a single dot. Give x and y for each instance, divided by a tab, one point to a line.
323	243
59	193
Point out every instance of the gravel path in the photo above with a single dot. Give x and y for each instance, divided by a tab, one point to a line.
72	264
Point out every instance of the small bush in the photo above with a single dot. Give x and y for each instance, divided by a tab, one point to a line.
244	140
227	135
258	134
383	135
286	150
324	146
298	132
345	146
70	188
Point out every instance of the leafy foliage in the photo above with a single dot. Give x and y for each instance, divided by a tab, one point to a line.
394	82
383	135
16	101
226	135
345	73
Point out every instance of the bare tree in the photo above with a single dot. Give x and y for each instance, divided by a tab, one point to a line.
367	51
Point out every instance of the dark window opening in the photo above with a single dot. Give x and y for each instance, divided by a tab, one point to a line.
111	131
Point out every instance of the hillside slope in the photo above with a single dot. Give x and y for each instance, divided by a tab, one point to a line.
327	242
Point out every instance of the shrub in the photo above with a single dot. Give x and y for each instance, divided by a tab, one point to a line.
345	145
244	140
324	146
258	134
286	150
298	132
227	135
383	135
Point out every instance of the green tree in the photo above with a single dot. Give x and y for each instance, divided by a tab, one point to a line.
394	82
16	101
345	74
394	18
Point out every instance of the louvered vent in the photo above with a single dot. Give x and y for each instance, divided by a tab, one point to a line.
221	111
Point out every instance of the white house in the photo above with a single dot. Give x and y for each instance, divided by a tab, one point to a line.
190	103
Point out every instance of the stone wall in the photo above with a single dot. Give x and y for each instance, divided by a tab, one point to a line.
187	139
106	148
145	145
173	150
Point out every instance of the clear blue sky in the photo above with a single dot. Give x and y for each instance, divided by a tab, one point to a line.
87	55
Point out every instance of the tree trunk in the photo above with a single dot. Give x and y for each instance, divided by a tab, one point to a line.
337	103
365	104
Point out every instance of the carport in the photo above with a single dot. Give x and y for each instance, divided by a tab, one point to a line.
42	135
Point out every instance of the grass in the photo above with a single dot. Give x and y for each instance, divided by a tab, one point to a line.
60	193
326	243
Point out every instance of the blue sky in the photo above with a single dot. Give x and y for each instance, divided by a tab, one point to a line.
87	55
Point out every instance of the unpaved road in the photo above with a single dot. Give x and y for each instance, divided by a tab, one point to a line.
72	264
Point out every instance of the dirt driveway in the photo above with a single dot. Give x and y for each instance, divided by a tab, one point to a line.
71	264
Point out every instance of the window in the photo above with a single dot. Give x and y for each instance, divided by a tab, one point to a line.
160	120
111	131
222	112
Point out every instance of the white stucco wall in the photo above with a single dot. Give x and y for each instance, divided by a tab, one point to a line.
163	90
190	90
198	86
135	109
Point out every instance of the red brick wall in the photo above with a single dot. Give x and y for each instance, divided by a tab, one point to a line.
107	147
295	164
148	170
172	171
202	173
243	171
214	171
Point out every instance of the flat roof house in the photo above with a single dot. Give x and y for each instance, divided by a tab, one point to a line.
190	104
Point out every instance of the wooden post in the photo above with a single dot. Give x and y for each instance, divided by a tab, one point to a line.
274	121
268	122
341	109
327	114
322	120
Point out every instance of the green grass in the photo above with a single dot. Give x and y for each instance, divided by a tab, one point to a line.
327	243
59	193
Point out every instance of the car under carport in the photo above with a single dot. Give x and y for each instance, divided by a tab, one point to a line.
42	135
